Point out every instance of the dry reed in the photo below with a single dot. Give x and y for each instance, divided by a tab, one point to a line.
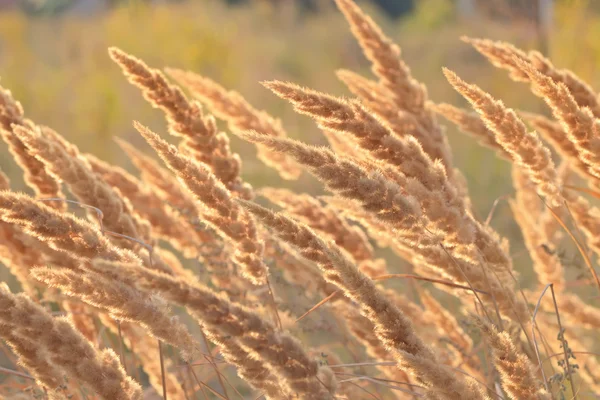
264	286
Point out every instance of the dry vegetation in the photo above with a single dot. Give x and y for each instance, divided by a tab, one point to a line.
98	288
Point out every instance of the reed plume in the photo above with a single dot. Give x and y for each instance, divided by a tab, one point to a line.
392	328
284	355
123	302
516	371
186	120
61	231
150	207
525	148
505	55
400	211
394	75
324	220
228	218
254	371
66	348
471	124
34	172
581	125
81	180
230	106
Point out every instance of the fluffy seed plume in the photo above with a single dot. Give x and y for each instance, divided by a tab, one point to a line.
282	353
151	207
254	371
506	56
159	179
391	326
230	106
186	120
61	231
227	216
582	127
66	348
516	371
323	219
122	301
395	76
525	148
350	180
471	124
81	180
35	174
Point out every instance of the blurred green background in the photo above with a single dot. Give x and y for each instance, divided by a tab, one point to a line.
53	58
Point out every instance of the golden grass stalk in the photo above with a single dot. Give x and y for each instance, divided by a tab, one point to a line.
186	120
62	231
392	327
123	302
378	100
527	213
362	329
283	354
253	371
471	124
505	55
81	180
525	148
62	159
160	182
401	212
66	348
323	219
226	216
34	359
350	117
395	76
441	200
230	106
582	127
34	172
159	179
515	369
165	222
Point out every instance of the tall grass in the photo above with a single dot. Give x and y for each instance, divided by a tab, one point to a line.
182	281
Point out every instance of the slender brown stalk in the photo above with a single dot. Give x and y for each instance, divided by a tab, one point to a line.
284	355
395	76
392	327
186	120
516	371
525	148
224	213
471	124
324	220
66	348
230	106
123	302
